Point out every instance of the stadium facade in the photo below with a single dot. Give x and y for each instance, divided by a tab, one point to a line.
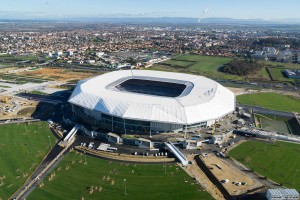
143	101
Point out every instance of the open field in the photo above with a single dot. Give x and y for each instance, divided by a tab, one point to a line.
209	66
19	79
283	65
5	70
198	64
14	58
22	148
277	74
74	180
178	63
56	74
276	68
279	162
271	100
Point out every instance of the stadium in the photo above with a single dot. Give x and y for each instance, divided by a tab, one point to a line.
143	101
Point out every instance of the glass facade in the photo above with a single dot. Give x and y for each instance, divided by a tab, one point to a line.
128	126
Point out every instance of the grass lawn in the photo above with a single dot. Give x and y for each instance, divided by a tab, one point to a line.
278	162
197	64
15	58
209	65
277	75
4	86
22	148
265	74
38	92
178	63
283	65
143	181
271	100
166	68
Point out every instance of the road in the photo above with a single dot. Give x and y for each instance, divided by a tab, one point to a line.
17	121
261	110
26	86
257	85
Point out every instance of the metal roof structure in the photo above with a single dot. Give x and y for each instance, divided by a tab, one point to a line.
283	192
202	99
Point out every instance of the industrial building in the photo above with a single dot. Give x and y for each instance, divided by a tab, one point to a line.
282	194
292	73
142	101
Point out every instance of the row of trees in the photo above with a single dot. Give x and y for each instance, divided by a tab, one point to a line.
242	67
275	42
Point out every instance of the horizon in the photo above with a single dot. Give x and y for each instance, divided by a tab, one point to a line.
235	9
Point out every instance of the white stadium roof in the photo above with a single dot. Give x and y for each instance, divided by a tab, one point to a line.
203	99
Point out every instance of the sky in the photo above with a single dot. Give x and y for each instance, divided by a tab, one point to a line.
240	9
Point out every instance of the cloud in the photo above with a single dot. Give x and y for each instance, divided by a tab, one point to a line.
205	10
21	15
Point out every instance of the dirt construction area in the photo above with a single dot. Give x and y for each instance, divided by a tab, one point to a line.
234	180
56	74
194	171
12	107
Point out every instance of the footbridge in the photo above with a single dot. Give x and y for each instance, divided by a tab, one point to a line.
70	136
177	153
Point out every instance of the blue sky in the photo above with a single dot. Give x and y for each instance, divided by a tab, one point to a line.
243	9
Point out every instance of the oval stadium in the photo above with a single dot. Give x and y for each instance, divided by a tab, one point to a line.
142	101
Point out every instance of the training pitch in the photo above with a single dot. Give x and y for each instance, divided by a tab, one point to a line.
22	148
271	100
102	179
279	162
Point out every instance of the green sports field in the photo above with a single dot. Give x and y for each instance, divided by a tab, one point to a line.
271	100
209	66
75	180
279	162
199	64
22	148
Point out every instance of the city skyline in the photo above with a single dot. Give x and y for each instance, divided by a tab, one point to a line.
239	9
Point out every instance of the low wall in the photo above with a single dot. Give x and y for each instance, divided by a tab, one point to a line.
125	157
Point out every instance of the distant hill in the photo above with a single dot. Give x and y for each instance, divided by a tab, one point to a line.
231	20
174	20
218	20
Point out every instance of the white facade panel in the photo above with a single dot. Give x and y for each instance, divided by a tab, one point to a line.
207	100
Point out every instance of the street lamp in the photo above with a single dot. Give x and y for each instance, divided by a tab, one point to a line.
125	187
85	158
165	166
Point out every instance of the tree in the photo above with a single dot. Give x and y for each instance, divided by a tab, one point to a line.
242	67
